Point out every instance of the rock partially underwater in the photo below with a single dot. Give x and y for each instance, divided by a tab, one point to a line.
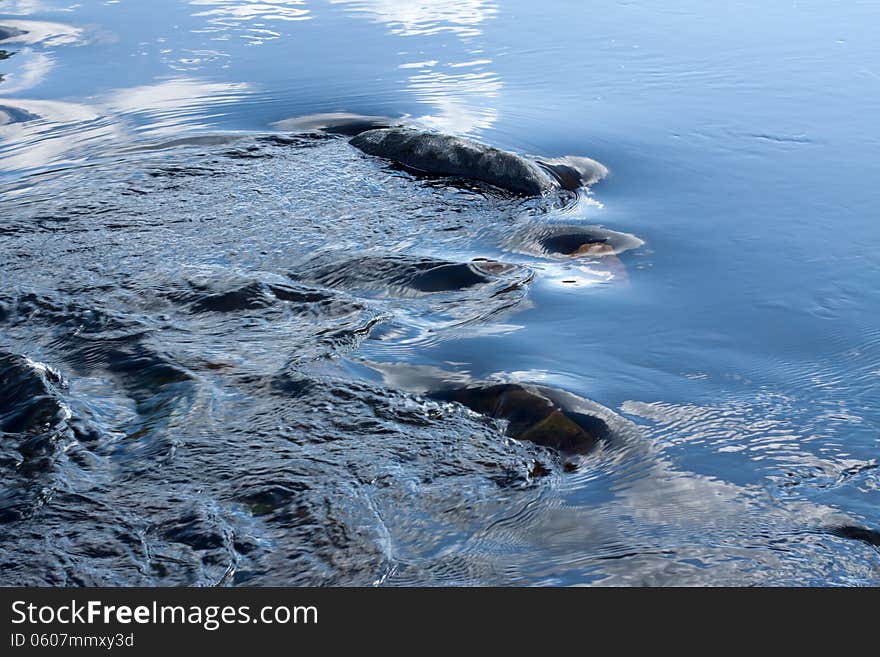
445	155
571	241
536	414
857	533
203	415
34	430
572	171
408	276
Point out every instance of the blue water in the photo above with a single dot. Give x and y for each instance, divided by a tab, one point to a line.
742	338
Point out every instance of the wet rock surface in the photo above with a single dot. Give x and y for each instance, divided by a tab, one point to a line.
573	172
192	427
34	431
407	276
201	350
572	241
446	155
532	415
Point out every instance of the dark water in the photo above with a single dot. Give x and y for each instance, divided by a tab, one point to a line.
220	343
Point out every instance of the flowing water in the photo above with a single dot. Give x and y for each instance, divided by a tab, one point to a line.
222	330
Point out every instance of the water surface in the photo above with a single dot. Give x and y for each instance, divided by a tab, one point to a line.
217	340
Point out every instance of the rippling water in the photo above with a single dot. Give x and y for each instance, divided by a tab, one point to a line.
223	331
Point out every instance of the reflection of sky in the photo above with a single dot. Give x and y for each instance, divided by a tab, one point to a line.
252	19
55	133
435	48
28	7
426	17
30	64
461	92
246	10
32	69
43	32
433	66
458	99
163	107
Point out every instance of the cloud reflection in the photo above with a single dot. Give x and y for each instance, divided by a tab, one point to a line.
250	17
169	106
33	68
27	7
38	134
39	32
458	99
426	17
461	93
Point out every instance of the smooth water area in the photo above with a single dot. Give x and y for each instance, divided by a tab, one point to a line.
217	339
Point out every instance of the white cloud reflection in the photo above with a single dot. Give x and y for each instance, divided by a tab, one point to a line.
460	93
245	10
425	17
41	32
249	18
459	99
171	103
26	7
38	134
33	68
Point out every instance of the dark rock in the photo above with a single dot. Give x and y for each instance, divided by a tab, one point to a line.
402	275
247	297
856	533
532	415
270	498
577	244
445	155
28	403
452	276
209	293
539	470
197	528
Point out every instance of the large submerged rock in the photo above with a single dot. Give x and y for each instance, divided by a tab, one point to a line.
534	413
446	155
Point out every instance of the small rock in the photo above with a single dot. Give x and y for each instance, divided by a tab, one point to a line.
8	32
